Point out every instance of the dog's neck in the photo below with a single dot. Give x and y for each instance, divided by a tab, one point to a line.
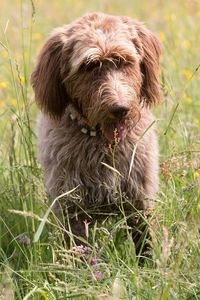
77	117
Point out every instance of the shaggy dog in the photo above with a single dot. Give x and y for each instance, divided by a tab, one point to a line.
95	82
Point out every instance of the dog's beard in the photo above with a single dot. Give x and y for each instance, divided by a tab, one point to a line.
114	131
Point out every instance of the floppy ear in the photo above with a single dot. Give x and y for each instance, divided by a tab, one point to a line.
46	79
151	50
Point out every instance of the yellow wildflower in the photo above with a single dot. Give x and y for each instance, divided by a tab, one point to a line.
187	99
3	84
2	103
37	36
22	79
187	74
4	54
170	17
14	102
162	36
196	121
186	44
196	174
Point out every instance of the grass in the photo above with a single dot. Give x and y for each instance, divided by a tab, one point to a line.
46	269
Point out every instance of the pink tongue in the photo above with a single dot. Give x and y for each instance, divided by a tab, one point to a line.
114	131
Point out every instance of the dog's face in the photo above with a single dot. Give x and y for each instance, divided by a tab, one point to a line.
105	66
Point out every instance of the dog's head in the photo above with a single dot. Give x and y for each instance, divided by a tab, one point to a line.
105	65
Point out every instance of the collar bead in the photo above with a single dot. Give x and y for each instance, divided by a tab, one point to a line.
85	130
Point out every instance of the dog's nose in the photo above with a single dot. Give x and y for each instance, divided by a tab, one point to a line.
119	111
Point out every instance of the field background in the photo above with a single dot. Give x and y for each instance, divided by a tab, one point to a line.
46	269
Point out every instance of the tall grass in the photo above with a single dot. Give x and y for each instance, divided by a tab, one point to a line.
110	269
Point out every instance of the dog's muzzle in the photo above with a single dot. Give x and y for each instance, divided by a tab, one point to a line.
114	128
119	112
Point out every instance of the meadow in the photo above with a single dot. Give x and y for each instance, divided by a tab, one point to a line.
42	267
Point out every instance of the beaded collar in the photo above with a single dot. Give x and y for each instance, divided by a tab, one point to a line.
81	121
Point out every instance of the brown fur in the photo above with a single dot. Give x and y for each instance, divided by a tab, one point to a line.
89	68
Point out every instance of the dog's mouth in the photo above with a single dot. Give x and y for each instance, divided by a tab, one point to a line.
114	132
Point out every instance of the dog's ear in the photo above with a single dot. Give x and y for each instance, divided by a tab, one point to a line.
150	59
149	48
50	93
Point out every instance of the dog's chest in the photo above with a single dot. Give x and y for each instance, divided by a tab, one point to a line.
102	172
91	162
72	159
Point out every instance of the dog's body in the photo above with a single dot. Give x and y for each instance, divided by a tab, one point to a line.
71	158
95	81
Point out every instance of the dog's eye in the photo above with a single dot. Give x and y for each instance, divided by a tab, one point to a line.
90	66
118	62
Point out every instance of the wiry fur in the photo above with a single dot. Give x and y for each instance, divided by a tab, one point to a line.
94	64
